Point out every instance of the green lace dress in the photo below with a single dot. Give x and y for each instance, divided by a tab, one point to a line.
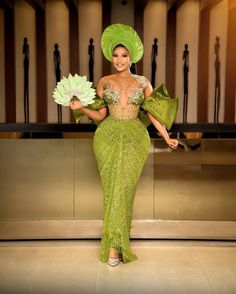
121	145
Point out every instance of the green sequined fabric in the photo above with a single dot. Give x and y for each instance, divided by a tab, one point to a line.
121	146
161	106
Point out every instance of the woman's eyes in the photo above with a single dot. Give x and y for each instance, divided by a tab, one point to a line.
124	55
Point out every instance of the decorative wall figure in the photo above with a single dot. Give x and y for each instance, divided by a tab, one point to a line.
217	81
57	63
26	79
153	58
185	72
91	59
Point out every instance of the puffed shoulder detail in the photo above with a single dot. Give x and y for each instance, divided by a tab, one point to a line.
98	104
161	106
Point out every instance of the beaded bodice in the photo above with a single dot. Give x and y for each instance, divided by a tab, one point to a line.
124	103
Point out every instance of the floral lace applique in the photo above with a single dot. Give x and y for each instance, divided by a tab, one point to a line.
141	80
136	96
111	94
134	92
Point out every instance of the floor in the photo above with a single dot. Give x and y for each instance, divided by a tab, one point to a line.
163	266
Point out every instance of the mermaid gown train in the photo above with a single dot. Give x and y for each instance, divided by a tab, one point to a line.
121	145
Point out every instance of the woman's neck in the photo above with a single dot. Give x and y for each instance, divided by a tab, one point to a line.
124	74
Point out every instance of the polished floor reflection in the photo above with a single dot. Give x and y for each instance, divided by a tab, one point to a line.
165	267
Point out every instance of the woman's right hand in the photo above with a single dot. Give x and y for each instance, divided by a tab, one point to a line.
76	104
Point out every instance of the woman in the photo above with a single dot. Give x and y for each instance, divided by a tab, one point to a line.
121	141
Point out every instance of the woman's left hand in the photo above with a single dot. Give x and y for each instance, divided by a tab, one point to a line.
172	143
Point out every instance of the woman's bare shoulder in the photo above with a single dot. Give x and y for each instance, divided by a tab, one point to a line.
106	79
103	83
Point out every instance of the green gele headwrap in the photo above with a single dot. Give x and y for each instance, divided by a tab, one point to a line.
121	34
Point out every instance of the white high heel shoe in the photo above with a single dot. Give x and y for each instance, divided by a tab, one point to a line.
113	261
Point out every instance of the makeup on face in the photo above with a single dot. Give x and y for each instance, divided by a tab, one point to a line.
121	58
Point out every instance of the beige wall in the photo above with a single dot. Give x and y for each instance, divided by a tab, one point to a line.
2	78
155	14
232	4
90	26
218	27
57	31
122	13
25	27
187	33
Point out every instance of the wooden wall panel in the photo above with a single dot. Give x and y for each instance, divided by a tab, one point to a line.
10	75
73	43
106	21
171	51
41	62
74	39
139	7
203	62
